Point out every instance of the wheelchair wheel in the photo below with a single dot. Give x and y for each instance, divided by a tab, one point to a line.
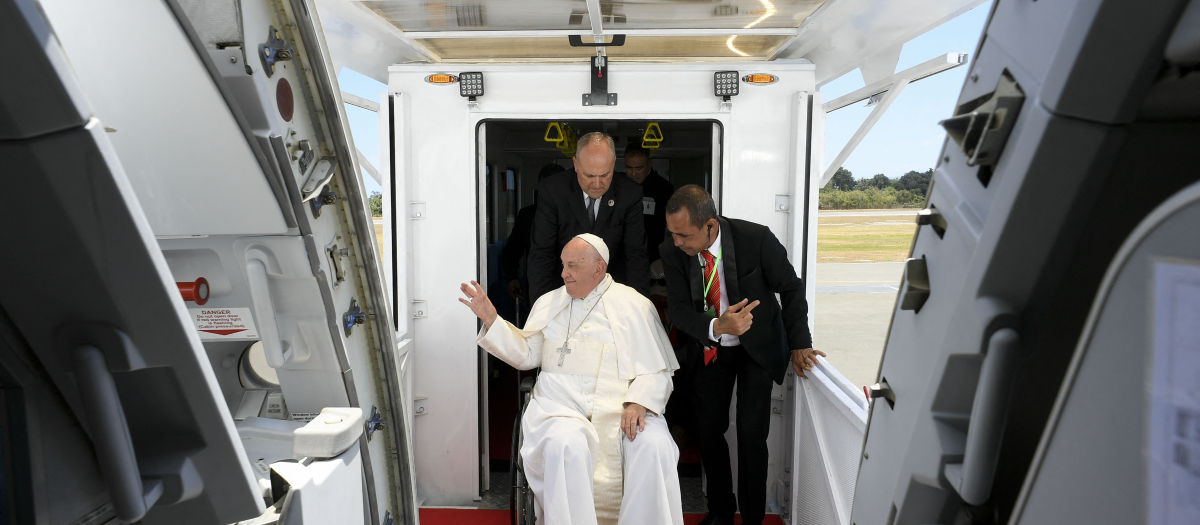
520	501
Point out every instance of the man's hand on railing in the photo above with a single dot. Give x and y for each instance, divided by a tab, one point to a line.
805	359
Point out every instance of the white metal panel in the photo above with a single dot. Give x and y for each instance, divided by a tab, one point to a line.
440	170
188	161
844	34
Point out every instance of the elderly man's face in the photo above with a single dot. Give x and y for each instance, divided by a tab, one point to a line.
583	268
594	167
637	167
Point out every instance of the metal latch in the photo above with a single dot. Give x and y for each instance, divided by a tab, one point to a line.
376	422
916	285
325	198
933	218
353	316
783	202
335	260
416	210
274	50
881	389
321	174
981	127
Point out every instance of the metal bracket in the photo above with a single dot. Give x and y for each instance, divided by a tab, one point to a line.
335	259
353	316
416	210
932	217
419	408
599	95
420	309
376	422
326	197
274	50
577	41
319	178
783	202
981	127
916	285
881	389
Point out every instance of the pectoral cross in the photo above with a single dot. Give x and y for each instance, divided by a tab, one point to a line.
562	353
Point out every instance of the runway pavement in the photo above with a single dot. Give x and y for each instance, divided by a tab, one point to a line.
852	312
906	212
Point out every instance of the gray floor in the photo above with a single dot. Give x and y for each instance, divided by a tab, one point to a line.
852	313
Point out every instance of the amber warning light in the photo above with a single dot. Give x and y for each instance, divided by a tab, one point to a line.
196	292
760	78
441	79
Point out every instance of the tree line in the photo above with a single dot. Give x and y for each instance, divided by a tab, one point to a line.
844	192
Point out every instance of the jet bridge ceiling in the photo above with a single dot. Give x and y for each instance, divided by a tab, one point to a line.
836	35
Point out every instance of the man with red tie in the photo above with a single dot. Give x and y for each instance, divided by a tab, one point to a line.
725	274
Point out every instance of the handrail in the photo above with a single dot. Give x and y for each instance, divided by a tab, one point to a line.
131	496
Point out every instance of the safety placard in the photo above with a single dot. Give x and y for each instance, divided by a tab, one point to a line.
224	323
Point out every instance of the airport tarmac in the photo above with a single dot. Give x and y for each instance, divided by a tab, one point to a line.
899	212
852	312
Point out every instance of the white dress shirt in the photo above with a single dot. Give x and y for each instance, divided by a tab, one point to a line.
714	248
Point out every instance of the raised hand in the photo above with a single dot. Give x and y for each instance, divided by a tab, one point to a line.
736	319
805	359
479	303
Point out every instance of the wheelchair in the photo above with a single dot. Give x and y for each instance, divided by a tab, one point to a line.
520	499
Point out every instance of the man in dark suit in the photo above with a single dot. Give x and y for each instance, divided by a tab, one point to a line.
723	270
655	192
589	199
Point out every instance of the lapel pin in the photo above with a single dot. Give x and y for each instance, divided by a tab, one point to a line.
611	202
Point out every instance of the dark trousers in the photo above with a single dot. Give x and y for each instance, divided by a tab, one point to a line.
714	384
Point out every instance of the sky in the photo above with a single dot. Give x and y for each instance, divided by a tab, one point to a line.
906	138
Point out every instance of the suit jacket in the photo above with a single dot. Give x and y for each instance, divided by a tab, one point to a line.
657	191
561	215
756	268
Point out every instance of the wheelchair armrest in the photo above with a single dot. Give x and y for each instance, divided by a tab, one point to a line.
526	384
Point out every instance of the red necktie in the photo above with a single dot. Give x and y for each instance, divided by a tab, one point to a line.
712	297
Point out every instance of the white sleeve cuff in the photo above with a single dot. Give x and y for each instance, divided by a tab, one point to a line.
711	336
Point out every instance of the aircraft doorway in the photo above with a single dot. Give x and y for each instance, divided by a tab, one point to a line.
512	154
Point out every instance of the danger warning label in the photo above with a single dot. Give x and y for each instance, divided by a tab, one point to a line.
224	323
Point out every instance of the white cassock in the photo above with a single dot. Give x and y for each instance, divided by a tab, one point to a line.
577	460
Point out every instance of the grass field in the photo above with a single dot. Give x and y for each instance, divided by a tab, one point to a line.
840	239
864	239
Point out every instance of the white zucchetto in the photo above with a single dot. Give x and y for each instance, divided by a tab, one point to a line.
596	243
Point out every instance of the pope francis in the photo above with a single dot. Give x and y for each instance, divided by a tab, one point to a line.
597	449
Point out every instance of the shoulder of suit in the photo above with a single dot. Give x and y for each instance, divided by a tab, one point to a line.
744	227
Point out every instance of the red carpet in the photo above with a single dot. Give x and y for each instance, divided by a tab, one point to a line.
500	517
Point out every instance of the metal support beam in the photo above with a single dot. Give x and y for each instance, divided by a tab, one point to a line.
865	128
366	165
355	100
559	33
596	19
923	70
